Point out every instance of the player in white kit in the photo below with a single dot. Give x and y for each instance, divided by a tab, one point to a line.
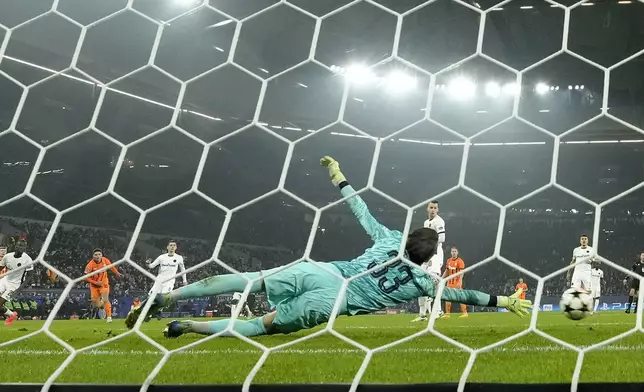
435	264
582	256
168	264
13	280
245	312
596	276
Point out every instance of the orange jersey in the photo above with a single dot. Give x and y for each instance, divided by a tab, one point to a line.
524	287
454	266
102	277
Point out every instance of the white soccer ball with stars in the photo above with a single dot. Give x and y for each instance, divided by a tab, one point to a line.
576	304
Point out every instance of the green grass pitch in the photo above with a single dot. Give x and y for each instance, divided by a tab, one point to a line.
327	359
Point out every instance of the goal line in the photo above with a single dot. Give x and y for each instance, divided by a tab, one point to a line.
445	387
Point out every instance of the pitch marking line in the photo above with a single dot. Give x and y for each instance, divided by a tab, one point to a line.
320	351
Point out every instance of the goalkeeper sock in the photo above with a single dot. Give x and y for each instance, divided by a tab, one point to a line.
8	312
254	327
216	285
630	301
596	304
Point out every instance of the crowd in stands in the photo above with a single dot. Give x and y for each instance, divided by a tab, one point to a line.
527	241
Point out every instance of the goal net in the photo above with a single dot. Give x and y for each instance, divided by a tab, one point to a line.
128	127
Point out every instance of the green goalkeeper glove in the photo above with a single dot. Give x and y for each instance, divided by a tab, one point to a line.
334	170
514	304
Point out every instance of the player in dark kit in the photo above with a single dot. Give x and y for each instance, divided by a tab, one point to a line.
638	268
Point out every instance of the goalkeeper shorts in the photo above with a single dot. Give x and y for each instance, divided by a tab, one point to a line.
303	296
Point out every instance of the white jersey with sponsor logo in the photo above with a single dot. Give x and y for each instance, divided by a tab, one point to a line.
584	256
12	263
168	266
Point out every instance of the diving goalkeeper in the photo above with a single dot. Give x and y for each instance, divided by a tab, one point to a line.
303	296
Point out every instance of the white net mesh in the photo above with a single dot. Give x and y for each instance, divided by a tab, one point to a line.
191	82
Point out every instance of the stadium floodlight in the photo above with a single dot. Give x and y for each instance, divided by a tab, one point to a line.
492	89
462	88
399	82
360	75
541	88
510	89
576	87
581	87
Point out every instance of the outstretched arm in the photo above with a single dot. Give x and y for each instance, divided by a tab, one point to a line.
569	272
113	268
359	208
182	268
151	264
472	297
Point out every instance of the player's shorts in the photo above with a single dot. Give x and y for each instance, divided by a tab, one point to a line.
635	284
596	292
166	287
303	296
435	264
7	289
457	285
580	280
96	292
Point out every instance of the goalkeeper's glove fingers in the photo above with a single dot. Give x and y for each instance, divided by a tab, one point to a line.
514	304
334	170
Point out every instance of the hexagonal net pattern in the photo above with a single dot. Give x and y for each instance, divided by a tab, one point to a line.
108	81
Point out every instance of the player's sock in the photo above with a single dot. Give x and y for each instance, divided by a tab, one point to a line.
448	307
8	312
216	285
108	309
463	308
438	304
428	306
421	306
254	327
630	301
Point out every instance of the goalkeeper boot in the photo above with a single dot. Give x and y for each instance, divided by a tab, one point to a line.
160	302
175	328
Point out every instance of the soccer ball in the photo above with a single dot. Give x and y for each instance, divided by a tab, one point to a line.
576	304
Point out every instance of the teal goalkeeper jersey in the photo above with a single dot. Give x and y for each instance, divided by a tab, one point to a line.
386	286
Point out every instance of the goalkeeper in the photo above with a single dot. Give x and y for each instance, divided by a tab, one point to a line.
303	296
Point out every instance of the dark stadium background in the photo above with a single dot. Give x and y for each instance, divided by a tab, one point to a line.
416	165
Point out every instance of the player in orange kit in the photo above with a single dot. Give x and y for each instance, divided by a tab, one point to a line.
523	286
99	284
454	265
